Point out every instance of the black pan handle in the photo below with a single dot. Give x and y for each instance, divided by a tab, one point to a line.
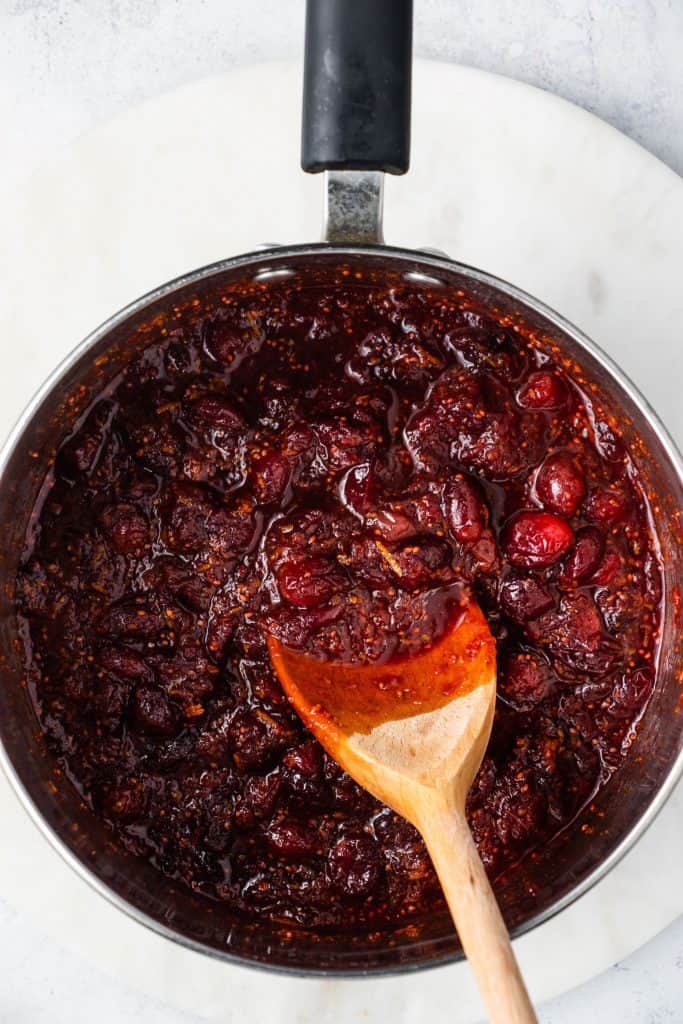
357	71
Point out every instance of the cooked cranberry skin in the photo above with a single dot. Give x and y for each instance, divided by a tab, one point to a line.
524	680
270	474
607	569
82	452
534	540
469	421
524	598
255	739
607	506
415	563
584	558
259	799
217	412
308	582
186	513
577	637
353	865
138	621
229	343
467	514
607	443
151	713
631	690
391	524
301	772
123	662
485	552
291	840
127	529
560	484
357	490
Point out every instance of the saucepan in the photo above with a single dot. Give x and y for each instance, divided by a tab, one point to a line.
356	128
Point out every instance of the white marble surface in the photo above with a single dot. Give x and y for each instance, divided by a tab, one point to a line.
67	66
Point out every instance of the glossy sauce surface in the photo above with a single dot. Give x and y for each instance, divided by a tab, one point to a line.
329	466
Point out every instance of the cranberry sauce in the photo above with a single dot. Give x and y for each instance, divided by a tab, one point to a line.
332	465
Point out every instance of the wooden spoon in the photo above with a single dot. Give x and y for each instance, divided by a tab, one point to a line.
413	732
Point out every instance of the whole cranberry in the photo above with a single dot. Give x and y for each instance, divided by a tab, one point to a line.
534	540
560	484
465	509
543	389
353	865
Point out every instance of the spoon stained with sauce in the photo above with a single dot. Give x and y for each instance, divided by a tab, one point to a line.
413	732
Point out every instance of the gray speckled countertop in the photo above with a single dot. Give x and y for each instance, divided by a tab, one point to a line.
66	65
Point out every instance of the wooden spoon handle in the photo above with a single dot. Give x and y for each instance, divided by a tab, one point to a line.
477	917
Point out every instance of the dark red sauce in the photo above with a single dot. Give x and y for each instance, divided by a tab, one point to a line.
331	465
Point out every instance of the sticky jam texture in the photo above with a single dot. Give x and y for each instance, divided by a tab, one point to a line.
330	465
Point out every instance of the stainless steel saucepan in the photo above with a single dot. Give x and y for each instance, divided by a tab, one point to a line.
356	127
